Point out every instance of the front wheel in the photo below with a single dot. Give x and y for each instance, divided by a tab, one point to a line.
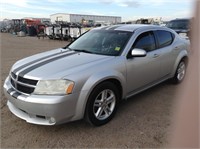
180	72
102	104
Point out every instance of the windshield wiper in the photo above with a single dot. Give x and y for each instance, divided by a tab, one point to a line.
70	49
85	51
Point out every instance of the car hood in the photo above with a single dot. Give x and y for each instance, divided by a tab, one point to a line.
56	64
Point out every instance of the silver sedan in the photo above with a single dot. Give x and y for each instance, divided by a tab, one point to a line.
89	77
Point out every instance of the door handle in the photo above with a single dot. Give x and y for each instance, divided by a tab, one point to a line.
155	55
176	48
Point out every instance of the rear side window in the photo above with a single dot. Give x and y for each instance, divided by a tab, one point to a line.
165	38
145	41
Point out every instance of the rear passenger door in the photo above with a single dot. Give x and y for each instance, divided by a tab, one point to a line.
165	40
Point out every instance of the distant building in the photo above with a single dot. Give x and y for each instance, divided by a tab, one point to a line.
88	19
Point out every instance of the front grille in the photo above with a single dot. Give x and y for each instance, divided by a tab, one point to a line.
25	89
27	81
13	75
13	83
23	85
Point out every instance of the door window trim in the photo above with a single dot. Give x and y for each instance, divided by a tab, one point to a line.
155	40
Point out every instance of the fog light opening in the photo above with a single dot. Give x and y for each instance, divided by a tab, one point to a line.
52	120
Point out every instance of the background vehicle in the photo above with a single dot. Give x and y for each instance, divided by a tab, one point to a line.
181	26
88	78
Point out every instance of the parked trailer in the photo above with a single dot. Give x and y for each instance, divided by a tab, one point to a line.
76	32
64	31
40	30
49	32
57	32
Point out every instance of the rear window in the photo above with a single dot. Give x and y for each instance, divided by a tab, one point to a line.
165	38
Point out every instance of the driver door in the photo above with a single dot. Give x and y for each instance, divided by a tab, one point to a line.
142	71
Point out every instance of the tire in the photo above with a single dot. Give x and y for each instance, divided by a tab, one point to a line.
180	72
102	104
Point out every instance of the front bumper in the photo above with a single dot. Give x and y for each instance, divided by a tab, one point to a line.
39	109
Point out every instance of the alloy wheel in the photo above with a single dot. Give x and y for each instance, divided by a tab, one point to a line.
104	104
181	71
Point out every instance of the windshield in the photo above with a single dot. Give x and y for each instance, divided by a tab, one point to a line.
179	24
104	42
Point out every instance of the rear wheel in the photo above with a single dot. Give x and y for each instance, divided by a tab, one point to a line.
180	72
102	104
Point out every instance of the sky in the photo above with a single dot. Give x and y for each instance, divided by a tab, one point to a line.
127	9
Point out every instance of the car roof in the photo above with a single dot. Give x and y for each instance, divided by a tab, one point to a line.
128	27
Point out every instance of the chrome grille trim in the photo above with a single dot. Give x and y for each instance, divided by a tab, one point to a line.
33	86
22	85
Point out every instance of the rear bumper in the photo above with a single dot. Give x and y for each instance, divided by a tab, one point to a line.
39	109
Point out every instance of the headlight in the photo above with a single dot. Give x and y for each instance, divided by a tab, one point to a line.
54	87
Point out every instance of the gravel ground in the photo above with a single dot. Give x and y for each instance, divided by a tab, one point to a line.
142	121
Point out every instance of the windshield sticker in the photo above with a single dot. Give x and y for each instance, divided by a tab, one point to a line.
117	49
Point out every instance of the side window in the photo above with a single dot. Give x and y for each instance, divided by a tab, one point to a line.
165	38
145	41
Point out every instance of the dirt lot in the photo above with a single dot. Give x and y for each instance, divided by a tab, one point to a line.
141	121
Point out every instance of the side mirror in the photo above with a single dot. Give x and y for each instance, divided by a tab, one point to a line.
138	53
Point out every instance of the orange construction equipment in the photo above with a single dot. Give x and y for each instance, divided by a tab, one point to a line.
34	22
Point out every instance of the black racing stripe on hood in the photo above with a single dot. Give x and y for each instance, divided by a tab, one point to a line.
21	74
32	62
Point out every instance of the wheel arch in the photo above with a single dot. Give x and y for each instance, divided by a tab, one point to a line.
182	56
185	59
114	77
101	86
